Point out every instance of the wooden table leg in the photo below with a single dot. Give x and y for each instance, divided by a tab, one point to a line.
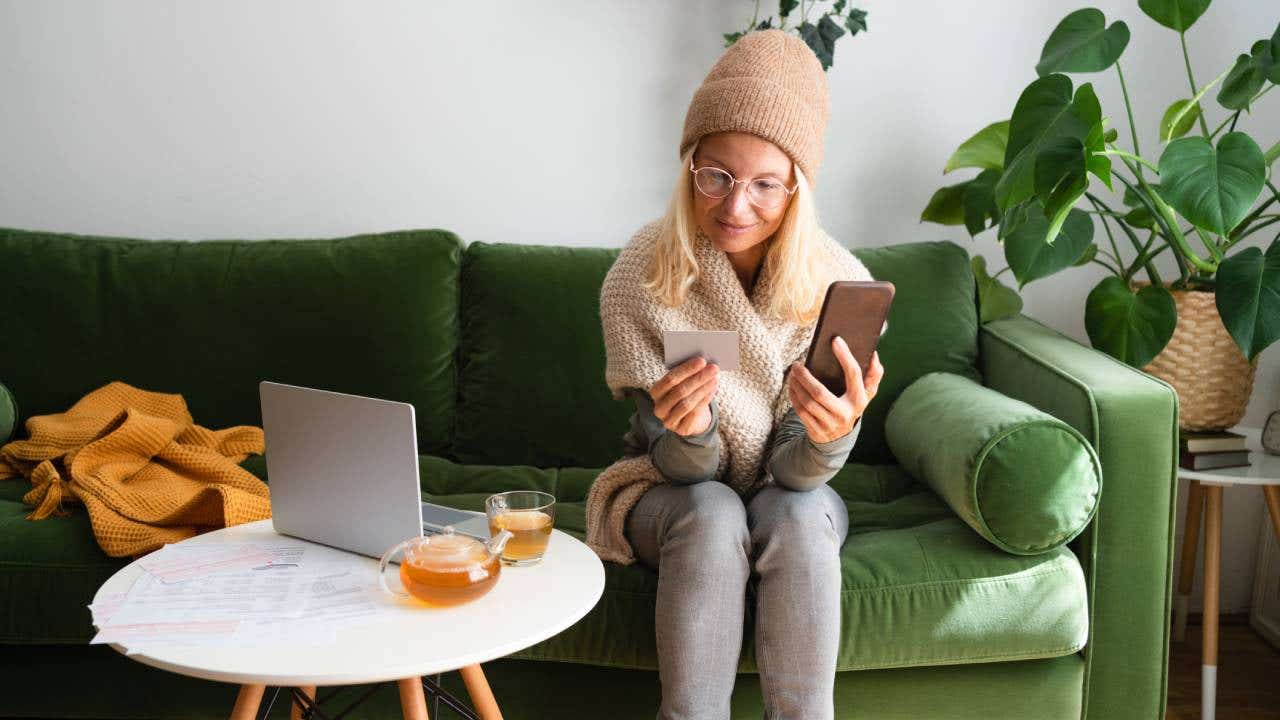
481	696
1272	494
1187	565
1212	558
247	702
413	701
295	711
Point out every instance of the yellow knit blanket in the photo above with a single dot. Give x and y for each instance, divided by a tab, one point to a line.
147	474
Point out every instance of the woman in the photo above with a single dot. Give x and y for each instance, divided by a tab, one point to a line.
725	473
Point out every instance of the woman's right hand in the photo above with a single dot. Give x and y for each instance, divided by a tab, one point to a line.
682	398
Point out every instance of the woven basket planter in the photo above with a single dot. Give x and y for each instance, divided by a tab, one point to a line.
1203	363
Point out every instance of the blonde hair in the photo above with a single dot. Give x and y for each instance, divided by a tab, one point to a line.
792	259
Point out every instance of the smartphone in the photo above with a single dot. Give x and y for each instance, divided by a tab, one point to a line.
858	311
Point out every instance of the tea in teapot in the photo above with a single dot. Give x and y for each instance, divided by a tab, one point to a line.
446	569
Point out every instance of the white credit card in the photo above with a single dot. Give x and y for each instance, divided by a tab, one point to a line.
717	346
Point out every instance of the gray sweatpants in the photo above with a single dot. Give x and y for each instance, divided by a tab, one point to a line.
705	543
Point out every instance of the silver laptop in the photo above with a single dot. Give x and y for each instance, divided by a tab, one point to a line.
343	471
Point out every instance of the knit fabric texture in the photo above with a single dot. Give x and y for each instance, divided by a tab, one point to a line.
751	401
147	474
770	84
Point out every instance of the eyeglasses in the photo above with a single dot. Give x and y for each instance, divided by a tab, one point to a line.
764	193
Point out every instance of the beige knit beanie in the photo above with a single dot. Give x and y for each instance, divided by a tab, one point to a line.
770	84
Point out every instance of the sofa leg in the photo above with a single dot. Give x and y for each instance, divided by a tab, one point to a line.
1187	564
247	702
413	702
481	696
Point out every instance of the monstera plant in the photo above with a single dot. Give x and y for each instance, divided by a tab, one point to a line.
1205	189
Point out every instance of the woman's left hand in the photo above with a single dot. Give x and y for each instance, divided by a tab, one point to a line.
825	416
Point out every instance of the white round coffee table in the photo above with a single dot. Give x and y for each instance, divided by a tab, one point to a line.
403	641
1204	493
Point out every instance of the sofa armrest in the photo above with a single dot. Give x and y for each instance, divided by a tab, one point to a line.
1131	418
8	414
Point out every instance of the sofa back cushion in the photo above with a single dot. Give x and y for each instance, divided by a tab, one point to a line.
531	358
532	388
370	315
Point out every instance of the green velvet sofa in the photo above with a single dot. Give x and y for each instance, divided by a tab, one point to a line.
499	348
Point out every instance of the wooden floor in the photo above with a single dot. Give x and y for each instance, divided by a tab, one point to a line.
1248	673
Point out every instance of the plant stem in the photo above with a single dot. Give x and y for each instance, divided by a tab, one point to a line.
1143	257
755	15
1273	219
1130	156
1137	245
1209	245
1163	215
1006	268
1250	218
1115	250
1109	266
1204	128
1128	108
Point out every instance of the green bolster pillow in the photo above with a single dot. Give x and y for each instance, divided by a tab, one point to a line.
8	414
1023	479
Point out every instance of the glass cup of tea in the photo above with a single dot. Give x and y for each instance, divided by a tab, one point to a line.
529	516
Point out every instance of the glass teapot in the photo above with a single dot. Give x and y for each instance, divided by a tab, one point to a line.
447	568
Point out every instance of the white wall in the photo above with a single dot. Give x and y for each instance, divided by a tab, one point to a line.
549	122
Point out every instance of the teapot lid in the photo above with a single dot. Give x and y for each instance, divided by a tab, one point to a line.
450	550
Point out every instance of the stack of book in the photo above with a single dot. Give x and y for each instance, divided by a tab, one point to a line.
1207	450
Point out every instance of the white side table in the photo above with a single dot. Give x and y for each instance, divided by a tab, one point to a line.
403	642
1204	493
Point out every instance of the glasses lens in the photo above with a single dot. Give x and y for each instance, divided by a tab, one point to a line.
767	193
713	182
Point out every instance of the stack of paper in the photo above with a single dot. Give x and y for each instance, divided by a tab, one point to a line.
196	594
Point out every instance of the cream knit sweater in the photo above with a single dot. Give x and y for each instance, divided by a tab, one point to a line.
751	400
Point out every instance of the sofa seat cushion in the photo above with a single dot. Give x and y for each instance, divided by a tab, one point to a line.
920	587
49	572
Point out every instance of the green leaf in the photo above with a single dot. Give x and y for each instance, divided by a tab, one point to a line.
1131	198
980	203
821	38
1131	327
1097	164
1174	14
786	6
838	7
1087	257
1248	297
856	21
1032	258
945	207
1059	180
1139	218
1241	84
995	299
1274	75
984	150
1212	187
731	38
1045	111
1184	112
1111	135
1266	57
1082	43
1016	216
